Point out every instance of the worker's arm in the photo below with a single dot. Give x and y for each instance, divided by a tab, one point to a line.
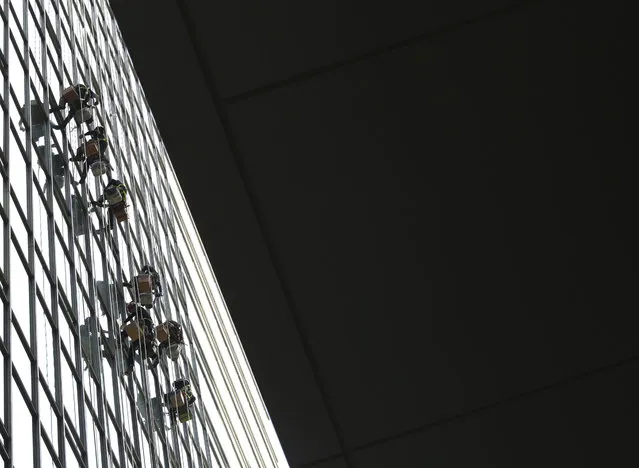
144	314
129	317
99	202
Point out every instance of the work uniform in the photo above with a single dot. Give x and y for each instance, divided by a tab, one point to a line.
99	136
183	386
145	345
87	98
155	278
175	334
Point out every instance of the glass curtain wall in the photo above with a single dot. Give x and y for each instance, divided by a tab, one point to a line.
66	400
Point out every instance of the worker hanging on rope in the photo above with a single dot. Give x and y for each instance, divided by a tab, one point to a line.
115	194
146	286
141	332
93	154
80	99
171	339
180	402
155	277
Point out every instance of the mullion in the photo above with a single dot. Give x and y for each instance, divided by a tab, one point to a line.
136	124
49	445
21	336
49	395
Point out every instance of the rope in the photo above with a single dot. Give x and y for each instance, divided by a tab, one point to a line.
158	351
73	224
143	352
144	380
157	302
99	335
46	325
172	368
93	326
129	412
118	355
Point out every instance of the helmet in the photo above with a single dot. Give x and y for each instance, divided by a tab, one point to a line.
131	307
100	131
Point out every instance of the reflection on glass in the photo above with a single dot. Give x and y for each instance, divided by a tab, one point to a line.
75	317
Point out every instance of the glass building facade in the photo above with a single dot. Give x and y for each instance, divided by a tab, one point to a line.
66	400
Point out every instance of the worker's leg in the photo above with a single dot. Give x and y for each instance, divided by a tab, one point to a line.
130	359
79	156
83	174
153	361
89	122
173	417
154	352
57	108
68	118
111	221
64	123
109	170
151	351
129	362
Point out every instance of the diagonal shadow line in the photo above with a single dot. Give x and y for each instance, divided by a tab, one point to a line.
465	414
261	222
386	49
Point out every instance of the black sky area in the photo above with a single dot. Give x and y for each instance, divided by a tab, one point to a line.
422	217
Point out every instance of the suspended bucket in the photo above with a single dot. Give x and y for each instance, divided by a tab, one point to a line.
174	351
83	115
146	299
99	168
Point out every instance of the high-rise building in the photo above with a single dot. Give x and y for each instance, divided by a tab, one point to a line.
69	398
